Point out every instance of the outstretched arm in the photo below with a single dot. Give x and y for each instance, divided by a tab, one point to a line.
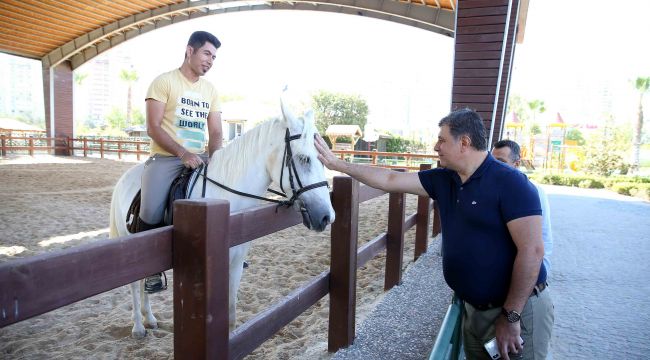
379	178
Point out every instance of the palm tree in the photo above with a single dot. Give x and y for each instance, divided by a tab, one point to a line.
536	106
642	84
79	78
128	76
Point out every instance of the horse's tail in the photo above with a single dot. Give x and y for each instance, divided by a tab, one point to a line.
123	192
112	227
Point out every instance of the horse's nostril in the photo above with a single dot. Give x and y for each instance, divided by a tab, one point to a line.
326	220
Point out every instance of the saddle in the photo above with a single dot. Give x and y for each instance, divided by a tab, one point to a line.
180	188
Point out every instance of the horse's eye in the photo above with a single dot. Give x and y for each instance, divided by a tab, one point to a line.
303	160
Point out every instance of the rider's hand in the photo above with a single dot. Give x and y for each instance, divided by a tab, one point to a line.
508	337
191	160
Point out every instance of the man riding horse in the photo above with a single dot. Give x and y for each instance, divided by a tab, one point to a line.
180	106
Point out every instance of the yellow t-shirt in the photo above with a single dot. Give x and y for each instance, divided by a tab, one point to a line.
187	106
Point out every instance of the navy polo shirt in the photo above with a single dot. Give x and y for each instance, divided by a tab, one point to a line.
477	250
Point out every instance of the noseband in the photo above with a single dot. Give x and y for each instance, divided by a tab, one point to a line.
291	170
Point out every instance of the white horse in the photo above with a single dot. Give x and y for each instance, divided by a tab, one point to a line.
279	151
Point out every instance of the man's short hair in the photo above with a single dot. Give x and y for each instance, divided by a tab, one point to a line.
515	151
199	38
466	122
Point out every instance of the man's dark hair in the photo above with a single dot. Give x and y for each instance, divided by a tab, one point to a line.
515	151
466	122
199	38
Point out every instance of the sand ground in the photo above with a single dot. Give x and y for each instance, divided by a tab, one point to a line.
49	203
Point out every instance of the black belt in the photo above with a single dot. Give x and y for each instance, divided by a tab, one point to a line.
539	288
536	291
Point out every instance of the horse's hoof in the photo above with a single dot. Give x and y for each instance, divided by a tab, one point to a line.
150	322
151	325
138	333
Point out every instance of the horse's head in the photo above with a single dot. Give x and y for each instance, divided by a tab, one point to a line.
298	172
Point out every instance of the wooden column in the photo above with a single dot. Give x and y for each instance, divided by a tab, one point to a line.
482	62
57	89
343	268
200	262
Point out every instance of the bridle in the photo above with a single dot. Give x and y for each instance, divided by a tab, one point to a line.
291	171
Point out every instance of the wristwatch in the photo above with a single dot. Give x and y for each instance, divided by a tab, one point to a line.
511	315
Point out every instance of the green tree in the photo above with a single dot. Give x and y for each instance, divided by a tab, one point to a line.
130	77
80	77
575	135
519	106
339	109
536	106
605	150
116	119
642	85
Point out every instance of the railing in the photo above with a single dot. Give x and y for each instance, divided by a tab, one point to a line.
448	341
68	146
201	236
387	159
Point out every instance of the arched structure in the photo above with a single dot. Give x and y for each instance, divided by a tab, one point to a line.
66	34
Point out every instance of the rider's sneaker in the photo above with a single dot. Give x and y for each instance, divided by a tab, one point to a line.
154	283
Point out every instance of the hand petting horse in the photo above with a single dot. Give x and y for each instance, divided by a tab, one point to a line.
279	151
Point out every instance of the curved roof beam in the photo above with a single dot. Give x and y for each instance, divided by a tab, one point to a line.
82	49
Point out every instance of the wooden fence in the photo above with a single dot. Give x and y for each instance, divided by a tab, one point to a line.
410	161
90	146
201	236
86	146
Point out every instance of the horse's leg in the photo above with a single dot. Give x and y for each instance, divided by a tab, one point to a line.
237	256
149	320
138	330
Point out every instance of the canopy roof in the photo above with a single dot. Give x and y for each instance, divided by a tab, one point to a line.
353	131
78	30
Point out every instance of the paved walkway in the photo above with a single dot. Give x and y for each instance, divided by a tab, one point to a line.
600	282
600	274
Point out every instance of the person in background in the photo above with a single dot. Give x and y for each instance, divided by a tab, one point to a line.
182	112
491	236
509	152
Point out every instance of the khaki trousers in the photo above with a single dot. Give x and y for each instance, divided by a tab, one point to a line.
536	328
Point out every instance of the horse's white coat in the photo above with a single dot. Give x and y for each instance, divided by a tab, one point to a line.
249	164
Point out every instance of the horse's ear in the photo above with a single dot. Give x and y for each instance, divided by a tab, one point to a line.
309	116
286	111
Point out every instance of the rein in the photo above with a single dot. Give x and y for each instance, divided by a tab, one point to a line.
291	166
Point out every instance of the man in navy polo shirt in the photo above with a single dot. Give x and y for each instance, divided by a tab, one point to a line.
492	245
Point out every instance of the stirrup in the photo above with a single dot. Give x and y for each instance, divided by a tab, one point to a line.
154	283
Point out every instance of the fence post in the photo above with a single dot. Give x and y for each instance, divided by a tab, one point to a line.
119	149
422	221
137	149
85	147
395	239
3	143
31	146
101	148
436	226
201	275
343	267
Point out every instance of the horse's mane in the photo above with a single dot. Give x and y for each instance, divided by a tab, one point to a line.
248	147
242	150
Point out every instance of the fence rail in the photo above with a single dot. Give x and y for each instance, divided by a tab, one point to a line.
389	160
68	146
91	145
201	236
